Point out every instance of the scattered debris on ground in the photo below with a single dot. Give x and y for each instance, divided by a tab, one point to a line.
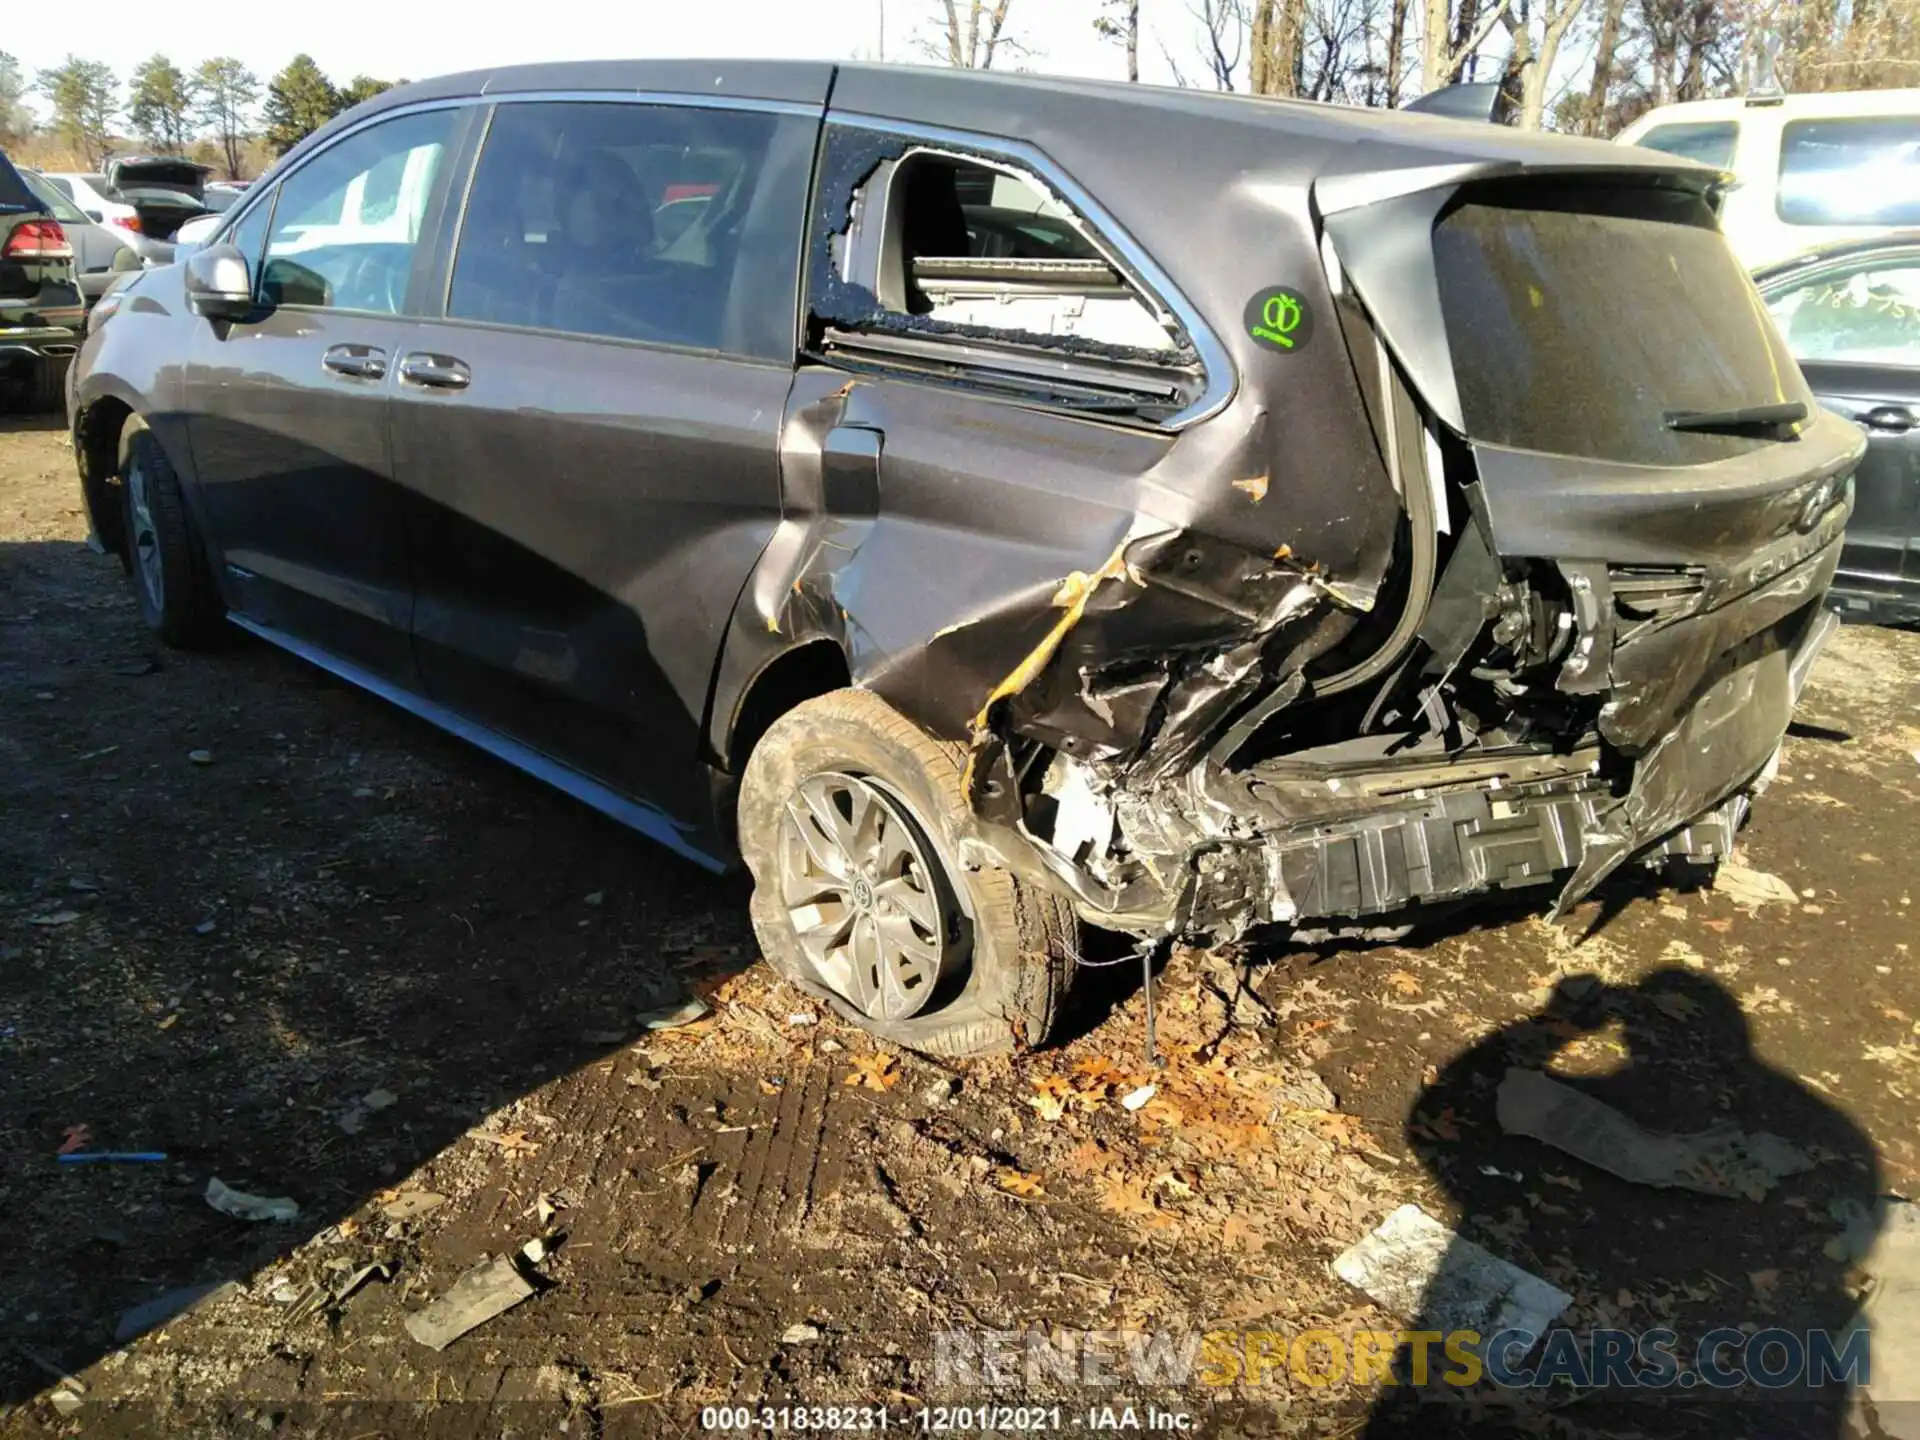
243	1206
491	1288
1722	1160
1421	1271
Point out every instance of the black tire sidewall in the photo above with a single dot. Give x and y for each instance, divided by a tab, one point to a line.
187	609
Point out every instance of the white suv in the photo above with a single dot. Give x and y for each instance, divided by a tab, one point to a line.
1809	169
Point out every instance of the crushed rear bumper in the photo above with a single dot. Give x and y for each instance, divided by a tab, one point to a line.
1274	843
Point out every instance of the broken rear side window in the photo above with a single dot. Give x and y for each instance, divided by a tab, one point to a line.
948	260
1578	323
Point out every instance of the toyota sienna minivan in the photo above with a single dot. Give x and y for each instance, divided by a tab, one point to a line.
990	506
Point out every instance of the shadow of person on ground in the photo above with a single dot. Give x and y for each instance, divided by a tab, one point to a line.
1635	1257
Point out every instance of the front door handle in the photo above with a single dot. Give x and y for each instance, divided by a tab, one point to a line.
435	372
360	362
1889	419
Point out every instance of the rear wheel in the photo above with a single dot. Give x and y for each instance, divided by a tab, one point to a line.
170	579
47	386
850	819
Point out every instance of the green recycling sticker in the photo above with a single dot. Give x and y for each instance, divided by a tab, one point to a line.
1279	319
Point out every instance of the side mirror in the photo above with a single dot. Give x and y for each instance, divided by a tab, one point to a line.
192	235
218	283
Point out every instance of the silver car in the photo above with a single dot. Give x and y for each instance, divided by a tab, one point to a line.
100	252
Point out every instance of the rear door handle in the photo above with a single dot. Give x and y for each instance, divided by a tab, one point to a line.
361	362
1889	419
435	372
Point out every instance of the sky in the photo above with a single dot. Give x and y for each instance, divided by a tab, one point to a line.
389	39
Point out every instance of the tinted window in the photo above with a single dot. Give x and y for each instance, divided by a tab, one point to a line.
65	187
1850	172
1710	143
1866	311
671	224
1575	332
347	220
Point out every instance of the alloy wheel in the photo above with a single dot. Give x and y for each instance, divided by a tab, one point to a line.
145	542
865	895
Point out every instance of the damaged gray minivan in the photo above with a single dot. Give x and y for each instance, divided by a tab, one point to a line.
990	505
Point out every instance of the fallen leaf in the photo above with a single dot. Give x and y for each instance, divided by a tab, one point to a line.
56	919
1565	1182
1751	888
514	1142
1174	1184
1675	1005
1049	1098
1764	1282
879	1071
76	1138
1019	1182
1404	983
1126	1197
1238	1233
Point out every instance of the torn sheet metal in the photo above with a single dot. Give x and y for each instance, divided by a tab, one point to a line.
1723	1160
1420	1270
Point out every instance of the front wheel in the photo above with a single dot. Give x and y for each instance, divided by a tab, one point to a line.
170	579
849	821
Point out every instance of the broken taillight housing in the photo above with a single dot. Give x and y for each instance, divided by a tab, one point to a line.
38	240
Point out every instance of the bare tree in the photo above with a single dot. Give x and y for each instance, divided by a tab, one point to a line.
1120	20
1593	112
1278	32
975	32
1441	52
1225	26
1534	53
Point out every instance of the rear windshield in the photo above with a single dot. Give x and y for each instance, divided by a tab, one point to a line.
1578	321
1710	142
1850	172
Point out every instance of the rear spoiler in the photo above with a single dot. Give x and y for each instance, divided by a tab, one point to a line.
1461	102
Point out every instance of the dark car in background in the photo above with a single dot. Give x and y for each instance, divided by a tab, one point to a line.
41	312
1312	513
1851	316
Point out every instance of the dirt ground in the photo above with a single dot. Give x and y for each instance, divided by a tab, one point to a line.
295	940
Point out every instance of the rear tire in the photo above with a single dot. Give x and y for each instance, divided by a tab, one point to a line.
1009	948
170	577
47	386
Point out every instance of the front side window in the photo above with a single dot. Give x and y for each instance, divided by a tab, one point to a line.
1866	312
1709	142
1863	171
677	225
247	233
1581	320
347	221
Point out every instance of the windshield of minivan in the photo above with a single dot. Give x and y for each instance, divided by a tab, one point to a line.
1580	322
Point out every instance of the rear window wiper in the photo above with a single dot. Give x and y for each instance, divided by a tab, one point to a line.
1734	422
